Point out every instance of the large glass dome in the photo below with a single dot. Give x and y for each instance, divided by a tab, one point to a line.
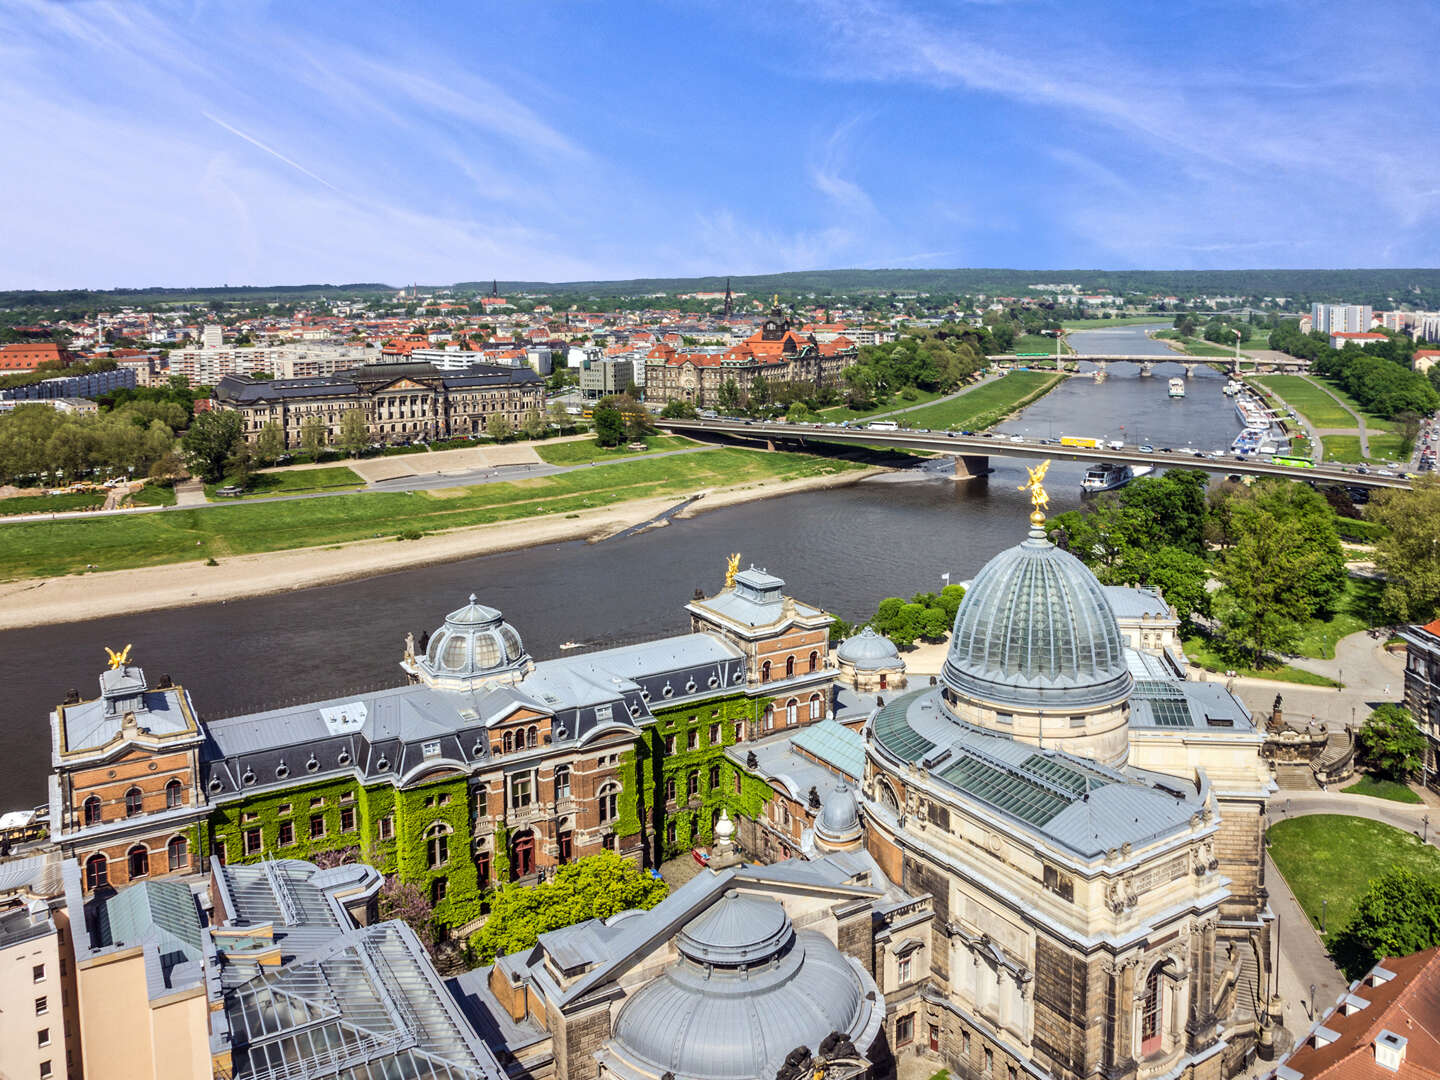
1035	631
475	640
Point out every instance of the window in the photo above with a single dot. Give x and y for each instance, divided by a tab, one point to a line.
1077	721
509	741
317	802
989	1061
934	1039
669	744
92	810
520	791
714	734
134	801
437	844
737	781
430	749
37	973
739	732
1150	1014
769	717
814	706
284	808
562	782
965	1041
532	736
45	1070
248	816
670	832
42	1037
252	841
438	888
347	819
608	842
317	826
692	784
765	671
285	834
905	1029
905	967
609	803
565	842
789	667
1011	1073
814	660
1005	718
348	797
714	777
385	827
174	794
1062	885
692	740
42	1006
670	789
482	868
139	860
792	712
177	854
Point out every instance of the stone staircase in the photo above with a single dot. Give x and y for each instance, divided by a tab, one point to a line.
1295	776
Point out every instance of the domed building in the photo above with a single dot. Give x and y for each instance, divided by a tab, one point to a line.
474	647
838	826
869	662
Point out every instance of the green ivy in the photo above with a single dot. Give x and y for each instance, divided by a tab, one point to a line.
228	824
413	819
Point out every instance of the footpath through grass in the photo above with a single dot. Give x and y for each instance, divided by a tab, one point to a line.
1318	407
1383	789
45	548
1317	402
584	451
1201	651
985	405
1333	857
1193	346
1357	609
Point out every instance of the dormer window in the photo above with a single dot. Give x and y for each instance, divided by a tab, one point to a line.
430	749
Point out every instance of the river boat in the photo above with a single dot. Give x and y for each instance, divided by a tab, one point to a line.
1233	387
567	645
1253	412
1107	476
1177	387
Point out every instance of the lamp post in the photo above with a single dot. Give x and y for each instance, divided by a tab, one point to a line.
1425	824
1312	1001
1323	905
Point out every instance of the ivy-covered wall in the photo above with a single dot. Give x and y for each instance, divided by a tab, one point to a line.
417	811
229	822
647	768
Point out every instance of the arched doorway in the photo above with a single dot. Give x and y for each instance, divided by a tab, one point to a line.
522	854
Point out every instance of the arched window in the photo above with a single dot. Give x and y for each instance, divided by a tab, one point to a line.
670	790
509	742
177	852
814	706
437	844
139	859
92	810
814	660
532	736
789	667
887	797
609	803
714	777
1150	1014
692	784
765	671
769	717
792	711
97	871
174	794
133	802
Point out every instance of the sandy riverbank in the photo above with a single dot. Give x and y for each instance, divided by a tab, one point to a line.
75	597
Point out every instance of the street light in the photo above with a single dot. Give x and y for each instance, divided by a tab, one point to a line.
1425	822
1312	1001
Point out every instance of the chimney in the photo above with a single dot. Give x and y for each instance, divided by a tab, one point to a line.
1390	1050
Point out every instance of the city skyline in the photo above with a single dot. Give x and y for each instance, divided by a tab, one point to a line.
186	144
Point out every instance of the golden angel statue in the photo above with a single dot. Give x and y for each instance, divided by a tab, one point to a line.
732	566
1039	498
118	659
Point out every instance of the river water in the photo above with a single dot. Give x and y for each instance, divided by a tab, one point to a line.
844	549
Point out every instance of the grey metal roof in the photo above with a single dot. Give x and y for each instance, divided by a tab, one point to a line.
39	874
1035	629
839	818
1070	801
1135	602
92	724
162	913
737	930
1171	703
869	651
756	599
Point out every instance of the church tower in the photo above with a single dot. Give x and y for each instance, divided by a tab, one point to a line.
729	300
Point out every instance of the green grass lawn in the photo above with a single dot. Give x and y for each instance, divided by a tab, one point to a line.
1310	401
1333	857
153	495
1119	320
39	549
1344	449
584	451
1383	789
51	504
985	405
1038	343
1357	610
1194	346
294	482
844	412
1202	652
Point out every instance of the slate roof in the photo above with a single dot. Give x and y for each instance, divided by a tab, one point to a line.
1069	801
1135	602
90	725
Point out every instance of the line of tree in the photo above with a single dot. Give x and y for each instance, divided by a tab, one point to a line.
619	418
42	446
940	359
1380	377
1406	554
925	616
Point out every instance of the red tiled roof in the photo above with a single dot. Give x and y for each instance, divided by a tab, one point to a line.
1432	627
27	356
1407	1005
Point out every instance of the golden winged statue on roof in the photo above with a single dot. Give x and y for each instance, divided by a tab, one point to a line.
732	567
118	659
1039	498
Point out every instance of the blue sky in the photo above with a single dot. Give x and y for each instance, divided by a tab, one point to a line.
247	142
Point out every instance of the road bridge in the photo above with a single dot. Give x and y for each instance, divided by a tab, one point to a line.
1275	361
973	452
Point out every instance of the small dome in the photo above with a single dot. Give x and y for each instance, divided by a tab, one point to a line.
1035	631
869	651
738	930
839	820
474	640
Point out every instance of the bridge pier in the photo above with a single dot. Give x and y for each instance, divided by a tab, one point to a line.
972	466
1189	371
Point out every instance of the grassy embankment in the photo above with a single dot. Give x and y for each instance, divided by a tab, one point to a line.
1040	343
1358	609
1322	410
42	549
1193	346
153	495
1333	857
987	404
585	452
1119	320
1203	652
895	404
51	504
293	482
1383	789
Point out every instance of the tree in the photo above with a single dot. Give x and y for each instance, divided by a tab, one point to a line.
1408	555
534	426
404	901
597	887
1263	596
270	443
1314	523
1390	743
313	435
728	397
609	426
499	427
1183	580
678	410
354	431
1399	914
210	442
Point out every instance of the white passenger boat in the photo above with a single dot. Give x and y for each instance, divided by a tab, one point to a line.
1177	387
1107	476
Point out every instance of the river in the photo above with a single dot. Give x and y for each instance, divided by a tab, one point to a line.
844	549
